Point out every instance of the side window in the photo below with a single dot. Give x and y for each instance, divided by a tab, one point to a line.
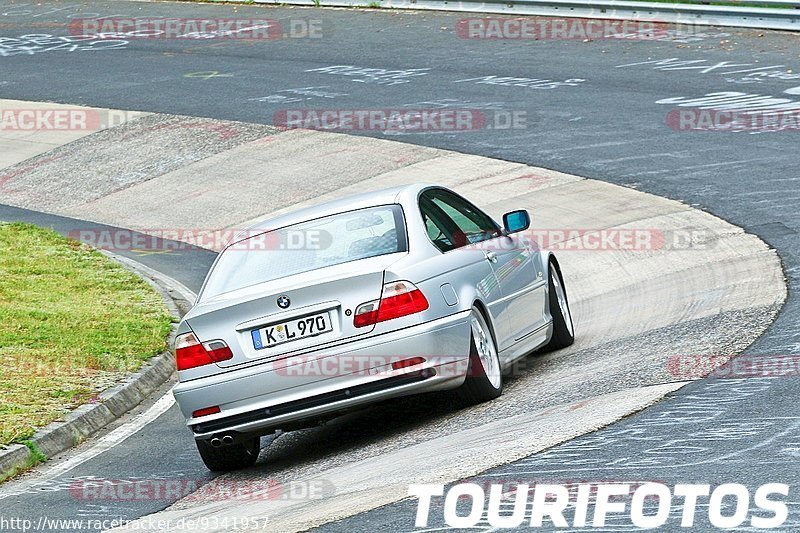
473	225
438	233
452	222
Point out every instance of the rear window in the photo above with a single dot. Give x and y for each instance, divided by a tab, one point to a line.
307	246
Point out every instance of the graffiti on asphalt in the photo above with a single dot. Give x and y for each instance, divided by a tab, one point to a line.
42	42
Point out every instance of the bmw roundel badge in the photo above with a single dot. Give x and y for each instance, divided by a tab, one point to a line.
284	302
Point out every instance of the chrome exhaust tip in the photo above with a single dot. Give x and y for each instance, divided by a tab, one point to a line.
216	442
227	440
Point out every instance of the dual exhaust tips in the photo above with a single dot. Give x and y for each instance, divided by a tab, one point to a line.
225	440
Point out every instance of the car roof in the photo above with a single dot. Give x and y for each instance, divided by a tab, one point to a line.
393	195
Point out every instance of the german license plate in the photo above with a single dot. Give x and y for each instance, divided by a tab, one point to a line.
291	330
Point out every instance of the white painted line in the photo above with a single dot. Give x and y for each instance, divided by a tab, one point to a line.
117	436
104	444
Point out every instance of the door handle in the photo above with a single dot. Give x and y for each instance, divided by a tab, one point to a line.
491	256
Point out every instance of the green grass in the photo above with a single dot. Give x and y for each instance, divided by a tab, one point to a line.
72	322
35	458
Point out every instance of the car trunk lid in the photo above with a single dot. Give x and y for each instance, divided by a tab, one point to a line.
259	328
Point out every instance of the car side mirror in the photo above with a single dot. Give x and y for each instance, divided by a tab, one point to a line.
515	221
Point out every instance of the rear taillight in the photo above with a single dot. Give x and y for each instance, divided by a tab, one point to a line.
218	351
398	298
366	314
206	411
191	353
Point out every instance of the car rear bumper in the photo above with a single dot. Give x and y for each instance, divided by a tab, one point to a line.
260	398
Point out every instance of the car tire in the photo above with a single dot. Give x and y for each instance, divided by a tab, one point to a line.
226	458
563	328
481	384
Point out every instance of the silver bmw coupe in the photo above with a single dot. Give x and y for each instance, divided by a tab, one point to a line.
389	293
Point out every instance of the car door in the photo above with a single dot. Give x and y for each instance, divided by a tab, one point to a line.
467	263
516	264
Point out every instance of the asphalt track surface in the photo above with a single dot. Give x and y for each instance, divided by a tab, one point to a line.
608	126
